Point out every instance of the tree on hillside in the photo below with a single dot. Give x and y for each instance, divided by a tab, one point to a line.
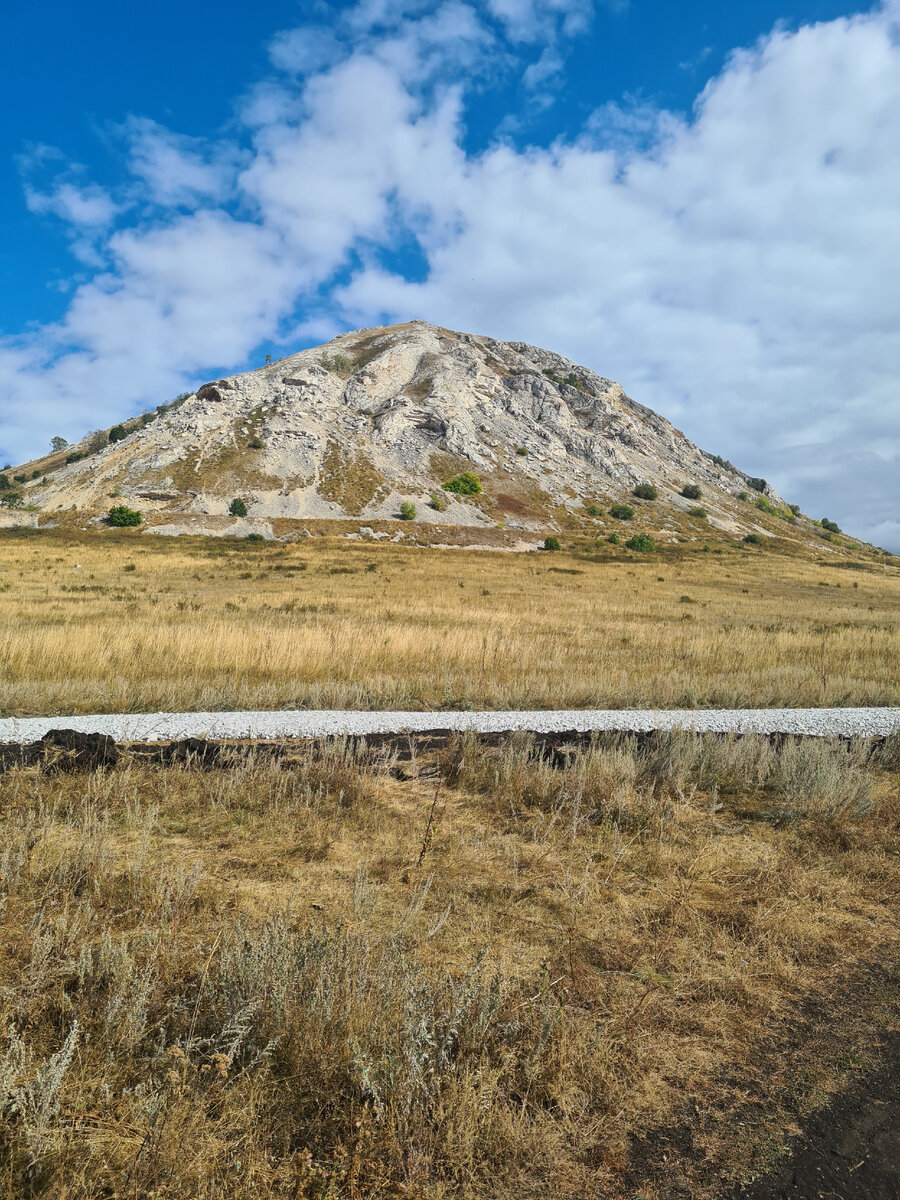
58	443
117	433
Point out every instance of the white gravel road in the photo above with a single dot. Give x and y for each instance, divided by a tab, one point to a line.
153	727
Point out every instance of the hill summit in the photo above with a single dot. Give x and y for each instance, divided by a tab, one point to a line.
378	421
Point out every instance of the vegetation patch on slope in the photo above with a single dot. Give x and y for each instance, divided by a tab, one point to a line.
349	478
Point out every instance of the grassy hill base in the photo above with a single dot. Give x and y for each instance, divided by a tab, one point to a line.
118	621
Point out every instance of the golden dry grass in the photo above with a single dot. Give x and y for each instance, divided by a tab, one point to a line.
477	975
148	623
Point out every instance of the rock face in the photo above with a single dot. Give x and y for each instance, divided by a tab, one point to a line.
379	416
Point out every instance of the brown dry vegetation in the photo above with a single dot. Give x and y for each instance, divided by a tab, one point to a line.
480	972
146	623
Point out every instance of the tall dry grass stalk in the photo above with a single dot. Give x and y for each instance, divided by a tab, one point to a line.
106	624
266	980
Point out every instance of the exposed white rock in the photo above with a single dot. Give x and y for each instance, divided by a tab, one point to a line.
379	416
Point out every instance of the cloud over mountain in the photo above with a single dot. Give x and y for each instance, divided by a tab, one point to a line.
734	267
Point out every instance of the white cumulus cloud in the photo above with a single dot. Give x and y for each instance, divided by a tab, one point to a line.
735	267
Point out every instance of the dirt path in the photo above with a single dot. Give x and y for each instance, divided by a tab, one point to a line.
849	1150
811	1113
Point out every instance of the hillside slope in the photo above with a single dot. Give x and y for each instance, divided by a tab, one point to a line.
384	416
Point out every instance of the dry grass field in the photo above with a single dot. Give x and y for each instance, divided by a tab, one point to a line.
127	622
477	971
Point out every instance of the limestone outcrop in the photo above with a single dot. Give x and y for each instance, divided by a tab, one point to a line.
381	416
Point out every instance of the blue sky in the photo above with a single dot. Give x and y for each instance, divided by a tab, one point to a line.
697	198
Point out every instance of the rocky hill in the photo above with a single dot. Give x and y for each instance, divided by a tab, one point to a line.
381	418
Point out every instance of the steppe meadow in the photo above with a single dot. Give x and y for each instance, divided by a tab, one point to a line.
492	406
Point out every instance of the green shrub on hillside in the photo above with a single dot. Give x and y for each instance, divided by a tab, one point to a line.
621	512
692	491
645	491
614	539
593	510
642	542
256	443
11	500
237	507
523	450
552	543
117	433
464	484
120	515
831	526
766	506
698	512
5	483
758	485
438	501
407	511
753	539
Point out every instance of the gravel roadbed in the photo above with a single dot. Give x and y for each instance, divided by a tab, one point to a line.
164	727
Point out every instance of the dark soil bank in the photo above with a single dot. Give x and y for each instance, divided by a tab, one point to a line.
850	1150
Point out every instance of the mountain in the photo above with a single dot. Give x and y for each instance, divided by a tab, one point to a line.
378	417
